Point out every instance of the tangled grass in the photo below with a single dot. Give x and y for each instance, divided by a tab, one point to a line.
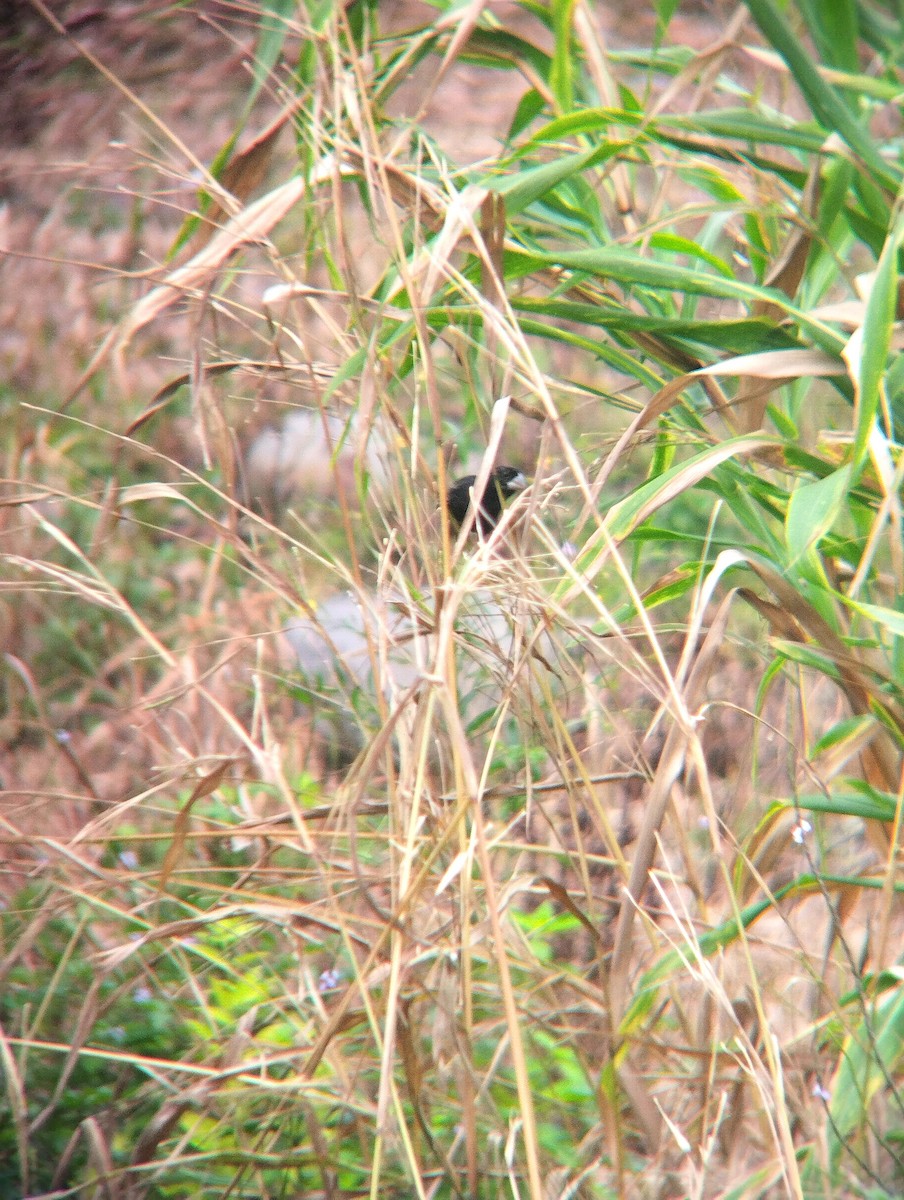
606	901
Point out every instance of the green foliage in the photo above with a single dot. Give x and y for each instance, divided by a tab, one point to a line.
53	997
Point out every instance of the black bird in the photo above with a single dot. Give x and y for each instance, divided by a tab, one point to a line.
503	483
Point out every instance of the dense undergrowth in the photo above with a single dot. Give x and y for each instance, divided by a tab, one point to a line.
604	899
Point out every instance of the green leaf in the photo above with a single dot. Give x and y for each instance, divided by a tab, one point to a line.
651	496
875	807
834	30
728	337
813	509
529	185
671	591
868	348
633	269
849	731
274	22
529	108
675	244
561	76
625	516
871	1057
888	618
828	108
665	10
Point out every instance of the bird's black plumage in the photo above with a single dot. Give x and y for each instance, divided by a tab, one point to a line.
503	483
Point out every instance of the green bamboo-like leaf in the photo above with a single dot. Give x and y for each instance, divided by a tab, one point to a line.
652	495
675	244
730	337
665	10
872	1055
828	108
845	732
869	347
625	516
274	21
733	124
501	48
671	60
712	182
530	106
620	360
743	125
530	184
633	269
813	509
638	271
834	29
561	75
875	807
888	618
672	590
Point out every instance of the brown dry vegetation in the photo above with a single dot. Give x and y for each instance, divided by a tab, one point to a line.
96	187
148	702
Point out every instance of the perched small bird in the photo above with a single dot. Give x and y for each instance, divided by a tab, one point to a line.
503	483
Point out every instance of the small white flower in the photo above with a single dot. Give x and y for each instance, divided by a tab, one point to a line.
801	830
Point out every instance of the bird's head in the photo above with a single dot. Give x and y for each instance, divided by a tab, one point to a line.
504	482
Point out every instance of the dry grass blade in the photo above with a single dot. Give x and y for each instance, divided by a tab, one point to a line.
245	172
671	764
252	225
780	365
18	1106
385	858
862	690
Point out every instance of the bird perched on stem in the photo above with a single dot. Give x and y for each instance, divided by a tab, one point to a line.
503	483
